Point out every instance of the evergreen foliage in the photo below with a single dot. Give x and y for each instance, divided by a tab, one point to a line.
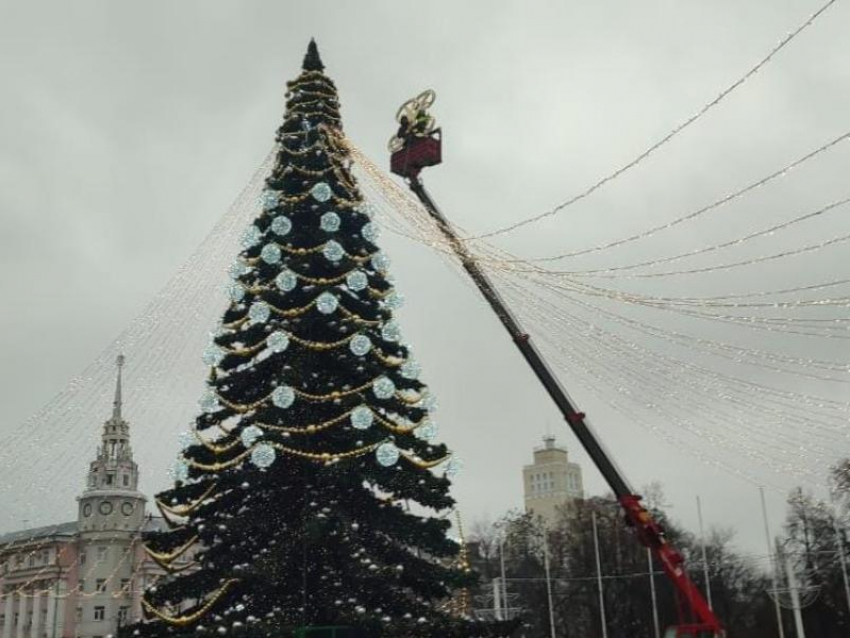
281	500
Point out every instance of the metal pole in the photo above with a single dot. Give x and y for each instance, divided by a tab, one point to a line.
548	587
504	581
599	576
839	541
497	599
656	625
773	565
704	555
795	598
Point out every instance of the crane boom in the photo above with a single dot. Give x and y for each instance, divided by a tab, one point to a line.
416	150
648	530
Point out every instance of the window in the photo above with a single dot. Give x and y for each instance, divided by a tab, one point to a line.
45	556
82	558
31	561
125	584
100	584
99	613
79	614
109	479
82	586
126	480
123	614
101	553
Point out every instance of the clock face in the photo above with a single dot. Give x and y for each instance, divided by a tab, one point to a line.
87	509
105	508
126	508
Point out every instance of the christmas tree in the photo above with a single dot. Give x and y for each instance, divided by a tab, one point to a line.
312	491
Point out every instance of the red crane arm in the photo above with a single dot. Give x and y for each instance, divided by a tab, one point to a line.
408	162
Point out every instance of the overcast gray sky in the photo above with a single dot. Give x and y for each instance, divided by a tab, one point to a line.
126	129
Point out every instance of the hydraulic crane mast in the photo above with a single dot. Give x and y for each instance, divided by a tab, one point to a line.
418	145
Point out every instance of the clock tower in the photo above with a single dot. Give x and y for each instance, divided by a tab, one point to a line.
111	501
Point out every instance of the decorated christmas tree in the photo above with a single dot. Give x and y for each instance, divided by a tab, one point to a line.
312	491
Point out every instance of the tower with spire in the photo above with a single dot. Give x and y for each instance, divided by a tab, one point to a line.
111	499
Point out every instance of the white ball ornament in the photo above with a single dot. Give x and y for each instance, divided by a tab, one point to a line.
281	225
391	331
251	236
213	355
270	199
180	470
259	312
361	418
250	435
387	454
283	396
453	467
427	431
329	222
383	387
380	262
238	268
410	369
370	232
263	455
333	251
321	192
278	341
326	303
236	292
270	254
360	345
209	401
357	280
286	281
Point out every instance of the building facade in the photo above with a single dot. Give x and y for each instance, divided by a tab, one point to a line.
84	578
551	482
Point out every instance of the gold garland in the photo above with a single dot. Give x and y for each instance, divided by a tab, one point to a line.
244	352
323	457
165	559
217	467
302	151
182	621
380	294
351	316
326	457
236	323
292	105
320	114
310	251
311	173
212	447
311	345
306	429
394	427
319	94
321	345
184	510
292	312
336	394
392	361
423	465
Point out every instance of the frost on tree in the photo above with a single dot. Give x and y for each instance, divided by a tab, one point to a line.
312	491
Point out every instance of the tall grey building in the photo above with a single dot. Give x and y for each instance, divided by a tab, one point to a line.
551	482
83	578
